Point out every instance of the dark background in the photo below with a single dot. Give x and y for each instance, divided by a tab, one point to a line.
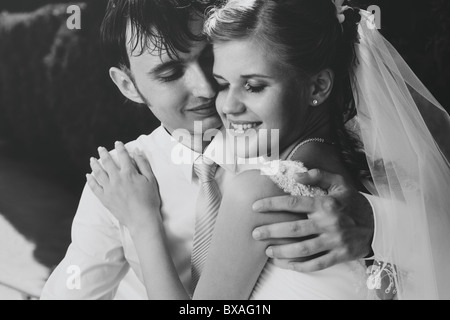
57	103
56	99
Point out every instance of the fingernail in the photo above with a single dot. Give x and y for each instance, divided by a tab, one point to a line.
257	206
257	234
101	149
269	252
118	144
138	152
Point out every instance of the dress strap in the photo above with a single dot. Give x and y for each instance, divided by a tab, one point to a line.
301	144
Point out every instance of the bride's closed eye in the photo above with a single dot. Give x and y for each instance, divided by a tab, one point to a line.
254	88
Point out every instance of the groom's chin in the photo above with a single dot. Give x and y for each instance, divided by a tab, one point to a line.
213	122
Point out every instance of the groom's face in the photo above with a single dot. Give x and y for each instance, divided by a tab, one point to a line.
179	91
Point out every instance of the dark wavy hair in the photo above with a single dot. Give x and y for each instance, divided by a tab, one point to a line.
306	36
161	25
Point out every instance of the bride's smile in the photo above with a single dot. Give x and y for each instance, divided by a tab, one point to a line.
257	95
243	127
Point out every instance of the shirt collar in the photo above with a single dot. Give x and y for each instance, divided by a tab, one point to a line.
179	154
220	150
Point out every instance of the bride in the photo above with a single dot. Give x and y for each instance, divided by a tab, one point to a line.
342	100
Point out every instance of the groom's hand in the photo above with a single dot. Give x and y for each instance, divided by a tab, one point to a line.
339	228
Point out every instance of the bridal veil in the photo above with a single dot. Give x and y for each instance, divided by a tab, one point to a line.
405	133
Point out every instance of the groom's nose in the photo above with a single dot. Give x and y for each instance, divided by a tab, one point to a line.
202	85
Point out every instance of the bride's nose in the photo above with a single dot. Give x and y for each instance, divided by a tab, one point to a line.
233	104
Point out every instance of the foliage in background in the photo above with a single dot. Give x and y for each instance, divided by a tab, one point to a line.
56	99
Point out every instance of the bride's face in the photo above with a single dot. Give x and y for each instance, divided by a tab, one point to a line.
257	94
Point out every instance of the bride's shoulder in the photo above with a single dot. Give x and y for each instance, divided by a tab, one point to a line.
284	175
251	186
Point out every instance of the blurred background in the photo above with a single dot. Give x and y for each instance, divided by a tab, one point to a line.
57	105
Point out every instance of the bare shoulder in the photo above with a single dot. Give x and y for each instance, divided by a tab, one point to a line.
324	157
237	208
251	186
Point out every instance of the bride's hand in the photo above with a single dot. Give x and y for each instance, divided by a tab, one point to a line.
128	189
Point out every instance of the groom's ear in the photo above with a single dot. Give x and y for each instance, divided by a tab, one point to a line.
321	86
125	84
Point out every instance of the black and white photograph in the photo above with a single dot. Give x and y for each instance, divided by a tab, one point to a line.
224	150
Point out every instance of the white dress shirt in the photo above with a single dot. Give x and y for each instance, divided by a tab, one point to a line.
103	250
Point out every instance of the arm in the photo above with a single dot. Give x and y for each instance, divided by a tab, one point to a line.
345	217
97	252
235	260
160	276
133	198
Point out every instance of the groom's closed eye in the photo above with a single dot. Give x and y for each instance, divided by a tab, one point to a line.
222	84
168	71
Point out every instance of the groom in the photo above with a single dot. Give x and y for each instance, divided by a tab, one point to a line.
169	69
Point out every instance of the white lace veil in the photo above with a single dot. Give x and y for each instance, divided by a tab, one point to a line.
405	133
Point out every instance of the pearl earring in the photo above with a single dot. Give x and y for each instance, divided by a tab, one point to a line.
315	102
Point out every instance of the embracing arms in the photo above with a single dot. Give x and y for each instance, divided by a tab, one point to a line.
331	220
235	259
132	196
345	217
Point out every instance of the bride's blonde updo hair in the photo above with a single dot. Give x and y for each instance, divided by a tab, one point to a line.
306	36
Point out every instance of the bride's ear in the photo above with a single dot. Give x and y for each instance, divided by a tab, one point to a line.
125	84
321	86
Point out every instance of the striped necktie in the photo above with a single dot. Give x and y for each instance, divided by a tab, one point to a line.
208	204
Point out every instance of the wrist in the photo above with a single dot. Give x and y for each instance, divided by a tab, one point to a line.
148	222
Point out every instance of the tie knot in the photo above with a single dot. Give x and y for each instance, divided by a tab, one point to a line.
205	169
